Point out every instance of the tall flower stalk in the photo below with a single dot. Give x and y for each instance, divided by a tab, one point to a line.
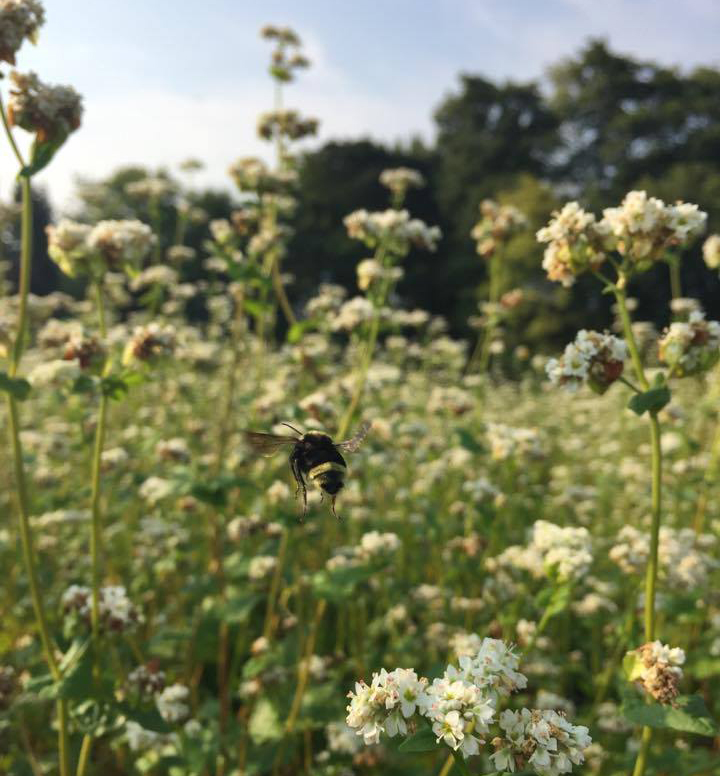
50	113
498	224
631	239
390	234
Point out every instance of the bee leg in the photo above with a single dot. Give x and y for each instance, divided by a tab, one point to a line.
297	474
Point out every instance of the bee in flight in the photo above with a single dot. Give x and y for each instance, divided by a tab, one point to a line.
314	455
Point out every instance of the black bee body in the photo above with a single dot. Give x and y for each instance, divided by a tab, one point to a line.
314	457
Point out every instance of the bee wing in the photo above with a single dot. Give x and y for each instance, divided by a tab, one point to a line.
267	444
352	444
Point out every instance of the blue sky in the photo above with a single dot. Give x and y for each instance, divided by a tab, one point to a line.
163	80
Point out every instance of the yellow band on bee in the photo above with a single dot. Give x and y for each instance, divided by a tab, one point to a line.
321	468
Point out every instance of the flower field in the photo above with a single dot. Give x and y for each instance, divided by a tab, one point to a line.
522	571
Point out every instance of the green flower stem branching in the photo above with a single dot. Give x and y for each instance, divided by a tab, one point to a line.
656	502
21	487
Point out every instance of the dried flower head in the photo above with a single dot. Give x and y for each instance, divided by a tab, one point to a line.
50	112
20	20
658	669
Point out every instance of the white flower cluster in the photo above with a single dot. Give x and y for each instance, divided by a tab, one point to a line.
56	373
575	243
150	188
385	704
374	544
172	703
394	228
461	707
683	555
658	670
565	552
498	223
641	229
252	174
690	347
157	275
117	612
508	442
50	112
400	179
711	251
261	566
644	227
459	710
542	739
19	20
593	358
371	271
110	245
352	313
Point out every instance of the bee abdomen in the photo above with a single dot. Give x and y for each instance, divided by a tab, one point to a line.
327	466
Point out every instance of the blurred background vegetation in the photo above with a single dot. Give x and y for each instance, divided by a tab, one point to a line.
599	125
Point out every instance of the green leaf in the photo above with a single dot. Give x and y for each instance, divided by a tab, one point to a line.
689	715
468	441
41	154
149	719
15	386
558	602
650	401
422	741
83	384
633	666
114	387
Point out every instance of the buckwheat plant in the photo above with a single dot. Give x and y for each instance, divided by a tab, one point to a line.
497	226
50	114
272	188
460	711
390	234
630	239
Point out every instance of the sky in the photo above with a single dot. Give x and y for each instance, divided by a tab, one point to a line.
164	80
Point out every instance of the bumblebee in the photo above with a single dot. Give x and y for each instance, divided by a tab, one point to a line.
314	456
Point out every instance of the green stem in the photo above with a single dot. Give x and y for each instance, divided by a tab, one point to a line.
21	487
84	756
275	584
641	760
95	492
621	298
656	508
